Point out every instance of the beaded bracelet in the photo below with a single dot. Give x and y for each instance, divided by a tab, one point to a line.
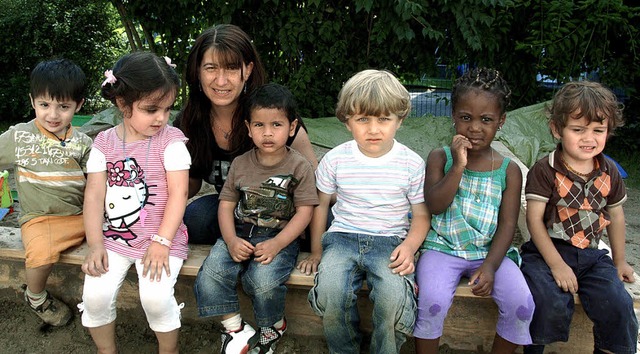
161	240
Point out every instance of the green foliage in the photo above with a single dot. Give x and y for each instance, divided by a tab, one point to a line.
36	30
314	46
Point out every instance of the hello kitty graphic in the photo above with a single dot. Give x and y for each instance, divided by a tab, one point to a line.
125	200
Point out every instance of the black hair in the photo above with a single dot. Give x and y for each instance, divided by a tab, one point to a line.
61	79
234	48
138	75
484	79
273	96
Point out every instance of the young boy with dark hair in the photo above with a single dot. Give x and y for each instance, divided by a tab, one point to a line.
49	160
266	203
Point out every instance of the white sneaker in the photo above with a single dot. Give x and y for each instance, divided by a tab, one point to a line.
237	342
268	336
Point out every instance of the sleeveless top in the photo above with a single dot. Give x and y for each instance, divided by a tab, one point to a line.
466	228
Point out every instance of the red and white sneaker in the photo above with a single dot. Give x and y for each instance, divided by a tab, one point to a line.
237	342
265	343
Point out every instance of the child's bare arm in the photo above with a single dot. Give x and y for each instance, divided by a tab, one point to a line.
156	258
616	232
318	227
562	273
96	261
266	251
402	258
440	188
239	249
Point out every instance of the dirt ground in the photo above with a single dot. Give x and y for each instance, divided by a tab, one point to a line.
22	332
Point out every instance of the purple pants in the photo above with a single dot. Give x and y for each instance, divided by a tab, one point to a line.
438	275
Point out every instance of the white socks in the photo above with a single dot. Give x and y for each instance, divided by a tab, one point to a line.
232	324
36	300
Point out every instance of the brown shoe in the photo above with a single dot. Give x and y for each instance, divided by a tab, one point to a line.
53	311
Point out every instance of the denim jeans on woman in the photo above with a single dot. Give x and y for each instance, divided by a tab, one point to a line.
201	219
347	260
216	286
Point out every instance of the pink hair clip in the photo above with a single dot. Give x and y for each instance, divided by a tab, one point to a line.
168	60
110	78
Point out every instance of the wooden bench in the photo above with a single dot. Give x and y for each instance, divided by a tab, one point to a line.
470	323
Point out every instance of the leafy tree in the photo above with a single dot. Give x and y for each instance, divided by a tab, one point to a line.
36	30
313	46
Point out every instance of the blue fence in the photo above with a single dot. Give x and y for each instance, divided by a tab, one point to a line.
436	102
430	96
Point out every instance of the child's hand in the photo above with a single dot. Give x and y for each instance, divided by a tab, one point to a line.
310	264
482	280
96	262
459	146
154	260
402	260
565	278
240	249
625	272
267	250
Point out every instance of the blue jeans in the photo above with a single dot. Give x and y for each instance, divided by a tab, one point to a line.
216	287
201	219
602	294
347	259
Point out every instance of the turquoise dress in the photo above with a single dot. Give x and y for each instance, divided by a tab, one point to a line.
466	228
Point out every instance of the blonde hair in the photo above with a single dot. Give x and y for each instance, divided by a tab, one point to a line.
591	99
373	93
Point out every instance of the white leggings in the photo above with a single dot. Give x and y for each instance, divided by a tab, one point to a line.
157	297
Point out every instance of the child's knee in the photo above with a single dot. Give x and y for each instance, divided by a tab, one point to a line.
99	304
398	302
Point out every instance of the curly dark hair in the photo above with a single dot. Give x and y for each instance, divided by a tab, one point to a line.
587	99
485	79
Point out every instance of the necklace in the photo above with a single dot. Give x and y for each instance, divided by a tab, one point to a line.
577	173
63	141
225	134
477	197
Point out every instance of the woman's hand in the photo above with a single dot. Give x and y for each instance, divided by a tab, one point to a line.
154	260
96	262
310	264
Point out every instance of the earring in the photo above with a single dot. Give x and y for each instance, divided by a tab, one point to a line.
454	124
245	88
499	128
200	86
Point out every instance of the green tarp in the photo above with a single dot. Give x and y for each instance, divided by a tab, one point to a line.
525	132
